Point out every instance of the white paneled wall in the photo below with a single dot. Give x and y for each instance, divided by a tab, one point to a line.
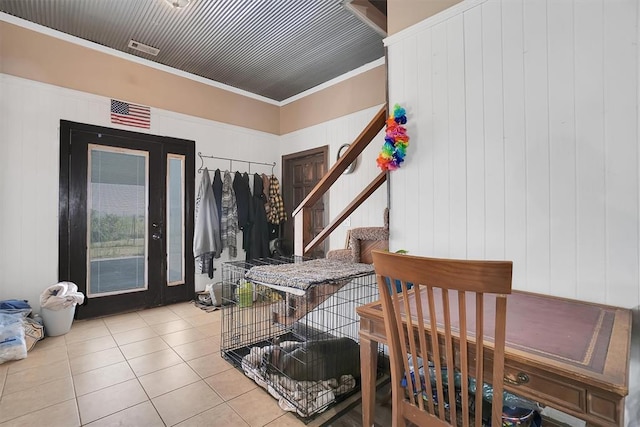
30	115
334	133
523	118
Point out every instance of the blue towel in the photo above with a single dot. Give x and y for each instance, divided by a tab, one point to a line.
14	304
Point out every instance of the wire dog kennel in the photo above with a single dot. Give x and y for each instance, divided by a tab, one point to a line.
299	343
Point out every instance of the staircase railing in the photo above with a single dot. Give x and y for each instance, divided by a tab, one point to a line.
300	214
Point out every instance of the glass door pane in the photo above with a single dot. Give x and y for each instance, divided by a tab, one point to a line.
117	223
175	219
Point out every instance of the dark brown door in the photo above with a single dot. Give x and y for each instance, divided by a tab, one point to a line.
302	171
125	218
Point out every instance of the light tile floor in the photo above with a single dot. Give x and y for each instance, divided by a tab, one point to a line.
157	367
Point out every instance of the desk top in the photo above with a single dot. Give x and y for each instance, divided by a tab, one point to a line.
562	335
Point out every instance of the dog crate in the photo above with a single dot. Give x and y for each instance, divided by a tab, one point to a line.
299	344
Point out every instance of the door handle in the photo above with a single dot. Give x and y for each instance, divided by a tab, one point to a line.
157	234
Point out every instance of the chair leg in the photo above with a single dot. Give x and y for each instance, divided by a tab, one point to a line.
397	394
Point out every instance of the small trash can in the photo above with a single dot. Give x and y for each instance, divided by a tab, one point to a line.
58	305
57	322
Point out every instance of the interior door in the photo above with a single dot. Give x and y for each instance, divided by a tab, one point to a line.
302	171
126	218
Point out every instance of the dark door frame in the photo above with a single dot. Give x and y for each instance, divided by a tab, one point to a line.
287	179
167	294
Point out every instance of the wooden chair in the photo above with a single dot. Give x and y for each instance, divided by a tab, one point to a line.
428	288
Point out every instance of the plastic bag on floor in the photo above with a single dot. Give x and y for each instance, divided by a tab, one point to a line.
60	296
12	342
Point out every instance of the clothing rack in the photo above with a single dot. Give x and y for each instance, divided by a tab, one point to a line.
202	157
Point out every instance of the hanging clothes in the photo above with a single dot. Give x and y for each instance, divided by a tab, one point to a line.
243	199
246	178
229	218
217	194
245	207
277	214
259	241
206	235
265	191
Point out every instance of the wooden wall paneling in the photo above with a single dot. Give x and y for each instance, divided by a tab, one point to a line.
621	149
333	136
537	144
29	203
411	176
442	228
457	138
5	177
562	149
423	142
493	130
590	179
399	199
558	82
48	166
12	189
474	94
515	202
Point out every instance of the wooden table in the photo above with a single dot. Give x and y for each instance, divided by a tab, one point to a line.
567	354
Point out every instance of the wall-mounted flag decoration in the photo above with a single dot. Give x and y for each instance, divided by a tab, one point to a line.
124	113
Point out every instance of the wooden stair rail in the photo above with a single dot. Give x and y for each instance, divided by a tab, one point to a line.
300	215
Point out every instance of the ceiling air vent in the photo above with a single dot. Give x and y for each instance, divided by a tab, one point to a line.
143	48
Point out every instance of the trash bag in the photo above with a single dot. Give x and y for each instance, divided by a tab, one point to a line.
60	296
12	341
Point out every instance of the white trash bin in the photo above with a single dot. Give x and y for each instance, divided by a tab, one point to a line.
57	322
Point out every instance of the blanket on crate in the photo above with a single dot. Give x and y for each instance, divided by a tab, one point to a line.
303	275
304	397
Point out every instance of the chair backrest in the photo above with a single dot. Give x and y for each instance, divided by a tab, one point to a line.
451	295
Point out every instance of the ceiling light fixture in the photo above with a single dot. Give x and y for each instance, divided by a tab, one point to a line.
178	4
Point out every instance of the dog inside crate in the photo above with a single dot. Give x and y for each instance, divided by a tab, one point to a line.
314	360
301	345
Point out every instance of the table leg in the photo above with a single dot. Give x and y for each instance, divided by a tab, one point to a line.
368	370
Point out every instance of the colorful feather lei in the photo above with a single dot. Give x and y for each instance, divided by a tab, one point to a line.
396	141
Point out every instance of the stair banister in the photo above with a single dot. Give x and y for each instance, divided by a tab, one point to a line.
300	214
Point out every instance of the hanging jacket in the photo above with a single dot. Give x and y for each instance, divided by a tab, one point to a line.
259	240
229	218
265	191
206	234
243	196
217	193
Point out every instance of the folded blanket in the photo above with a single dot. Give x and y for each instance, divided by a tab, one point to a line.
303	275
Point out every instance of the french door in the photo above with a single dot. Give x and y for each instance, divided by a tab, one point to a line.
126	218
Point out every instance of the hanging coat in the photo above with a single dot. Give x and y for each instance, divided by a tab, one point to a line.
259	241
243	197
206	233
217	194
265	191
245	210
229	219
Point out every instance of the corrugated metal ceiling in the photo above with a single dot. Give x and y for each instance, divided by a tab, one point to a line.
273	48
